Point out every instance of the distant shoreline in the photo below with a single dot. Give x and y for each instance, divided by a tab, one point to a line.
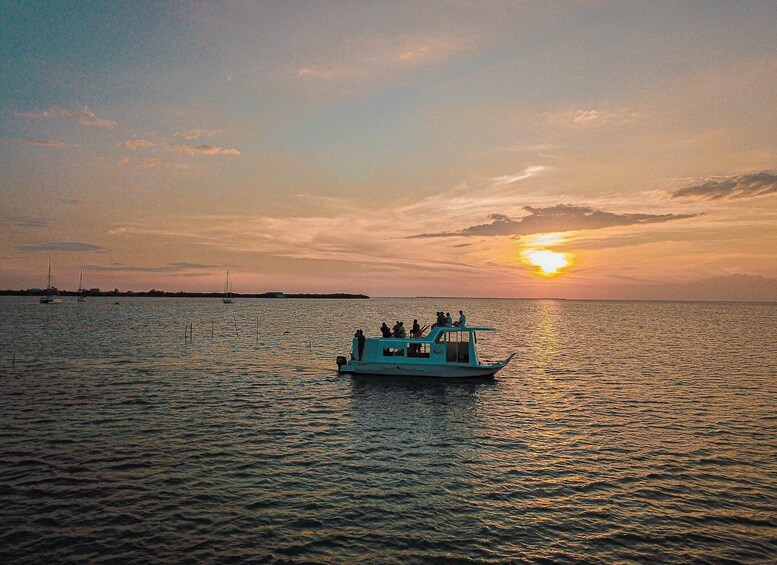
181	294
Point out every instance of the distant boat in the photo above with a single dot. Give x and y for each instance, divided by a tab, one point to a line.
81	289
227	292
51	295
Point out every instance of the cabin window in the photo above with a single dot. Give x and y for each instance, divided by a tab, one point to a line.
418	350
393	352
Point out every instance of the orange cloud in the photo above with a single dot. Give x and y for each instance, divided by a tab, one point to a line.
85	116
46	143
203	149
139	144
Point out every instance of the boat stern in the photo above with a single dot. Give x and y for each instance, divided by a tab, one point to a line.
342	365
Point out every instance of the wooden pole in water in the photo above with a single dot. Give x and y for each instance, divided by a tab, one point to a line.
211	329
257	329
234	321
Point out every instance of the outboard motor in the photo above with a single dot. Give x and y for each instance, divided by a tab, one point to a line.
341	360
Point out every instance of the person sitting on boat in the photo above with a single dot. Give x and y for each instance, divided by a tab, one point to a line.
395	330
401	333
448	319
385	331
416	330
440	319
462	320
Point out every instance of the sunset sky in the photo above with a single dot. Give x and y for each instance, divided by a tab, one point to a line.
497	149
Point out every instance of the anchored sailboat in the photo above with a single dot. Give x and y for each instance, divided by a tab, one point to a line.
81	289
51	295
227	292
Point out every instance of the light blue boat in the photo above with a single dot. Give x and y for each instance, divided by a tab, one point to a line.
446	352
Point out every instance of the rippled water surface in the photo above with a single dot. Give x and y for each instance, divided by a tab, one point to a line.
621	431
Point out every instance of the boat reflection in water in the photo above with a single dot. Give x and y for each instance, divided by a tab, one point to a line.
446	352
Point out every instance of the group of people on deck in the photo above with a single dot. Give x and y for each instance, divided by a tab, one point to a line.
444	319
399	331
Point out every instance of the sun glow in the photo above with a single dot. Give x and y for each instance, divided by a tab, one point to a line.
548	263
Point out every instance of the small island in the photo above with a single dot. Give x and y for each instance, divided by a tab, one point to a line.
181	294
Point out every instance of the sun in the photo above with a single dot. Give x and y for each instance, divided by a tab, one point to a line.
548	263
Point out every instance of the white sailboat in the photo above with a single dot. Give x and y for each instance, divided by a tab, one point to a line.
51	295
81	289
227	292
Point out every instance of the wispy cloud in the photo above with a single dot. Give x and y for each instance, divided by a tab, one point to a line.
203	149
332	73
559	218
381	57
196	134
24	221
139	144
590	116
60	246
169	268
519	176
85	116
735	187
46	143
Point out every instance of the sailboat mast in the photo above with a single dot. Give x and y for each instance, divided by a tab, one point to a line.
48	284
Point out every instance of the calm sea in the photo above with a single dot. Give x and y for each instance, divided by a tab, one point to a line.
621	432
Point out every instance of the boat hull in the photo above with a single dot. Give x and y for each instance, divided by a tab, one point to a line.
50	300
435	371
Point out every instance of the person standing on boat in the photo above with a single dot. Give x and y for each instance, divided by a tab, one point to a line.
360	339
462	319
416	331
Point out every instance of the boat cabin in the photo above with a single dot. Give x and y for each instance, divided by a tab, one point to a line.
442	345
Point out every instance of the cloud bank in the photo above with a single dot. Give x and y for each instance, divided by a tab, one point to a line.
169	268
60	246
24	221
749	185
46	143
559	218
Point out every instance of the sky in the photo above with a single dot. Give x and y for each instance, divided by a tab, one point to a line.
575	149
